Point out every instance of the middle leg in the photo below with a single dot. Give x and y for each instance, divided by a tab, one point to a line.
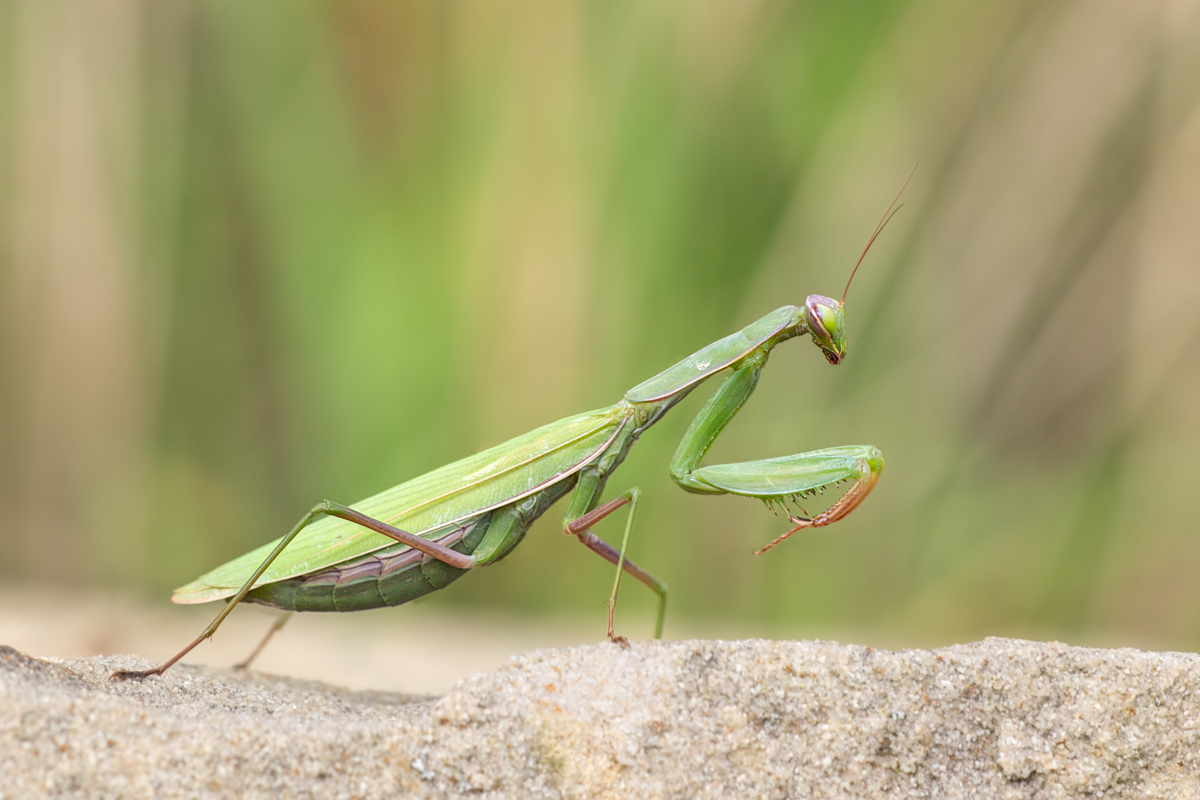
579	525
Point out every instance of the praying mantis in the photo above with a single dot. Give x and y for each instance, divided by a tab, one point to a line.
422	535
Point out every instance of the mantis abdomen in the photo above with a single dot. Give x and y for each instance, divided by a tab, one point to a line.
376	580
395	576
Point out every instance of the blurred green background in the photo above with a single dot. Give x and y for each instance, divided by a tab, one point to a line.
254	255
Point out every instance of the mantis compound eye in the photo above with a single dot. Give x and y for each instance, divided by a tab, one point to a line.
822	315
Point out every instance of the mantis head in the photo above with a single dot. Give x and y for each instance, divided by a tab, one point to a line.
827	326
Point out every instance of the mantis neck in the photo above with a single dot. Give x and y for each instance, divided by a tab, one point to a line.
760	336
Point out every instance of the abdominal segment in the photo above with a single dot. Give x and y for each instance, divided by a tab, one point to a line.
388	577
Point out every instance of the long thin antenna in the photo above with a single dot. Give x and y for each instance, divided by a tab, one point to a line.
887	217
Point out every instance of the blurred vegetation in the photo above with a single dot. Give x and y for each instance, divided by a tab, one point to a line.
253	255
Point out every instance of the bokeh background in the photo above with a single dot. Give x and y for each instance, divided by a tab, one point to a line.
254	255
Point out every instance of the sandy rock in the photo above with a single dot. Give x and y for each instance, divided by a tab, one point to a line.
999	718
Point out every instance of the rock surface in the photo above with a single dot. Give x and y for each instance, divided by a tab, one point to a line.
695	719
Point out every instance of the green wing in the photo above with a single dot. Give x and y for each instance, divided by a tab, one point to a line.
427	504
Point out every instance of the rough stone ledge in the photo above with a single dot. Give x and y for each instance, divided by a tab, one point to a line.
694	719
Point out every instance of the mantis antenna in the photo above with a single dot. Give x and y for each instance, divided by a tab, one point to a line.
887	217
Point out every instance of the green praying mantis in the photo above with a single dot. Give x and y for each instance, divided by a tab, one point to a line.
424	534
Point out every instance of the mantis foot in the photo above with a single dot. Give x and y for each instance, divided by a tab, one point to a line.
612	634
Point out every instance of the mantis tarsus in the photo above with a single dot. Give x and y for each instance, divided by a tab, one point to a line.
420	536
